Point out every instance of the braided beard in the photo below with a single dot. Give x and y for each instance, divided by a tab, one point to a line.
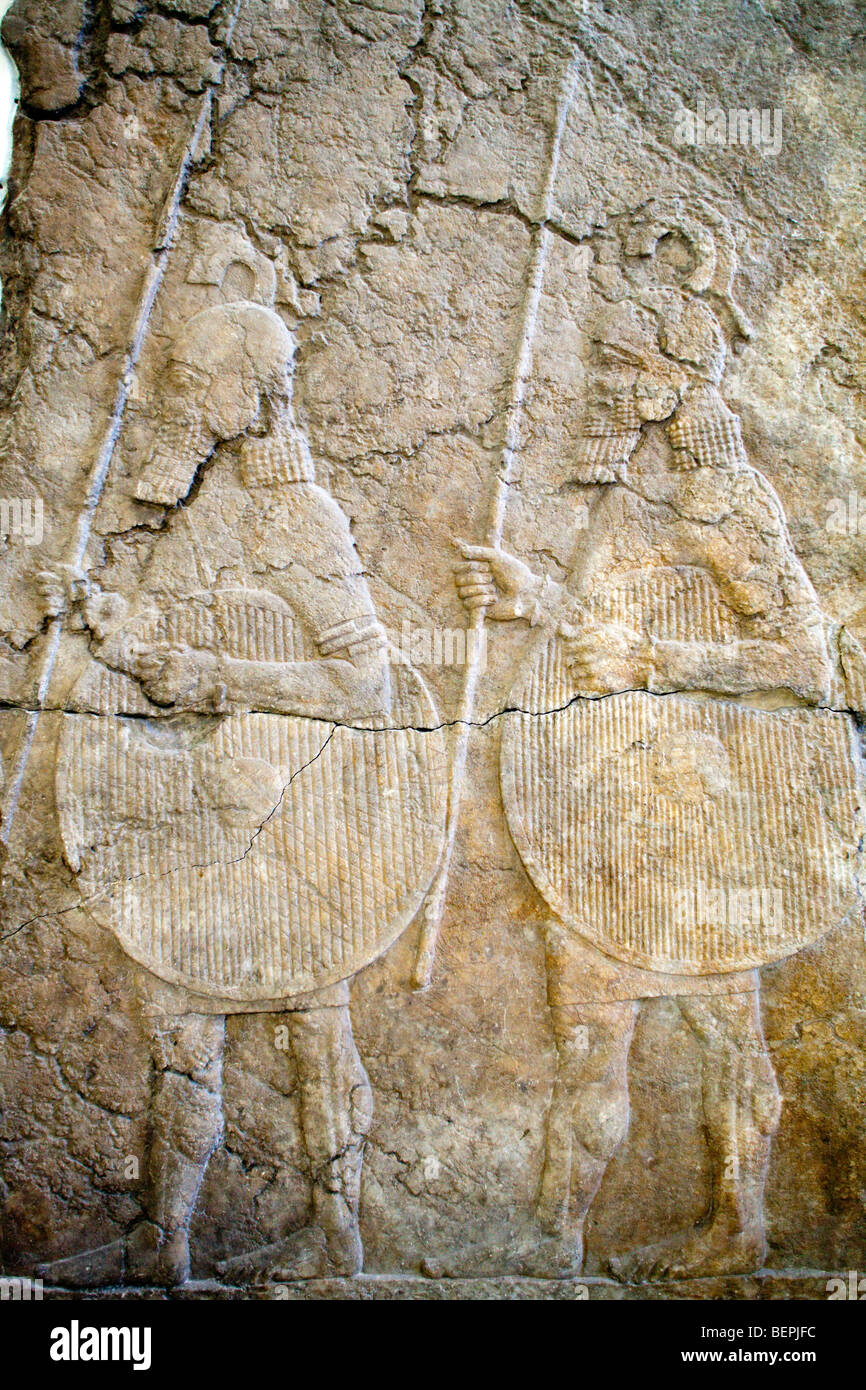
280	457
710	438
179	449
609	440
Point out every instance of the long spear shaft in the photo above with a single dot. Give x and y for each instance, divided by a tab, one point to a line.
99	471
435	902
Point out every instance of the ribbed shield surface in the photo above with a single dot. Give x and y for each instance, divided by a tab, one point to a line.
682	834
250	856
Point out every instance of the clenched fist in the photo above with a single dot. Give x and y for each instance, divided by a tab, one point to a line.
180	676
60	587
606	657
490	578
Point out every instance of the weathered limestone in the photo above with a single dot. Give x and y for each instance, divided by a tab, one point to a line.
431	668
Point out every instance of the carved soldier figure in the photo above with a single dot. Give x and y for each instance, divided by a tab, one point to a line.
257	819
664	782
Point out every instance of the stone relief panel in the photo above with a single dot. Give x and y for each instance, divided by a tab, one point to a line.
252	797
432	778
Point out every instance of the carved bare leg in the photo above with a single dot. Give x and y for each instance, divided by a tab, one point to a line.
335	1113
185	1121
741	1112
336	1110
186	1127
586	1123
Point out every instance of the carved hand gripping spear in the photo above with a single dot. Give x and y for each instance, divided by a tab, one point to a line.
98	474
434	905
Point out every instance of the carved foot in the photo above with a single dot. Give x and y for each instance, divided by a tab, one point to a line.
712	1250
305	1254
546	1257
554	1257
153	1258
145	1256
91	1269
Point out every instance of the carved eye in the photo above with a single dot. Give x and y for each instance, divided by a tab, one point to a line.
239	281
616	357
182	376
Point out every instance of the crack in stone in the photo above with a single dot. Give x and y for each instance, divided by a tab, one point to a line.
97	475
361	728
505	207
357	728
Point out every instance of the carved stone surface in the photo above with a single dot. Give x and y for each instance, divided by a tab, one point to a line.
431	671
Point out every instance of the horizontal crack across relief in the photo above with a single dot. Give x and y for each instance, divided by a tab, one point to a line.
479	313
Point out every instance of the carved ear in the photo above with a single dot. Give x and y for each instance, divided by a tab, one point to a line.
721	281
710	237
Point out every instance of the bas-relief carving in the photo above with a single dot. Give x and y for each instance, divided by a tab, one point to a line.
251	796
260	816
252	786
679	789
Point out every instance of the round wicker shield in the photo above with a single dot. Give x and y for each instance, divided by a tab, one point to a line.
249	856
681	834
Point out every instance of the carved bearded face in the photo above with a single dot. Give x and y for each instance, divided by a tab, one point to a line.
628	381
222	366
222	396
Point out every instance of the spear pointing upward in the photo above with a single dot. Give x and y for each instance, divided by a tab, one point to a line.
435	902
167	227
99	472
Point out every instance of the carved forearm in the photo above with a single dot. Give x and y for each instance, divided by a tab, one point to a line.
545	598
739	668
329	688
